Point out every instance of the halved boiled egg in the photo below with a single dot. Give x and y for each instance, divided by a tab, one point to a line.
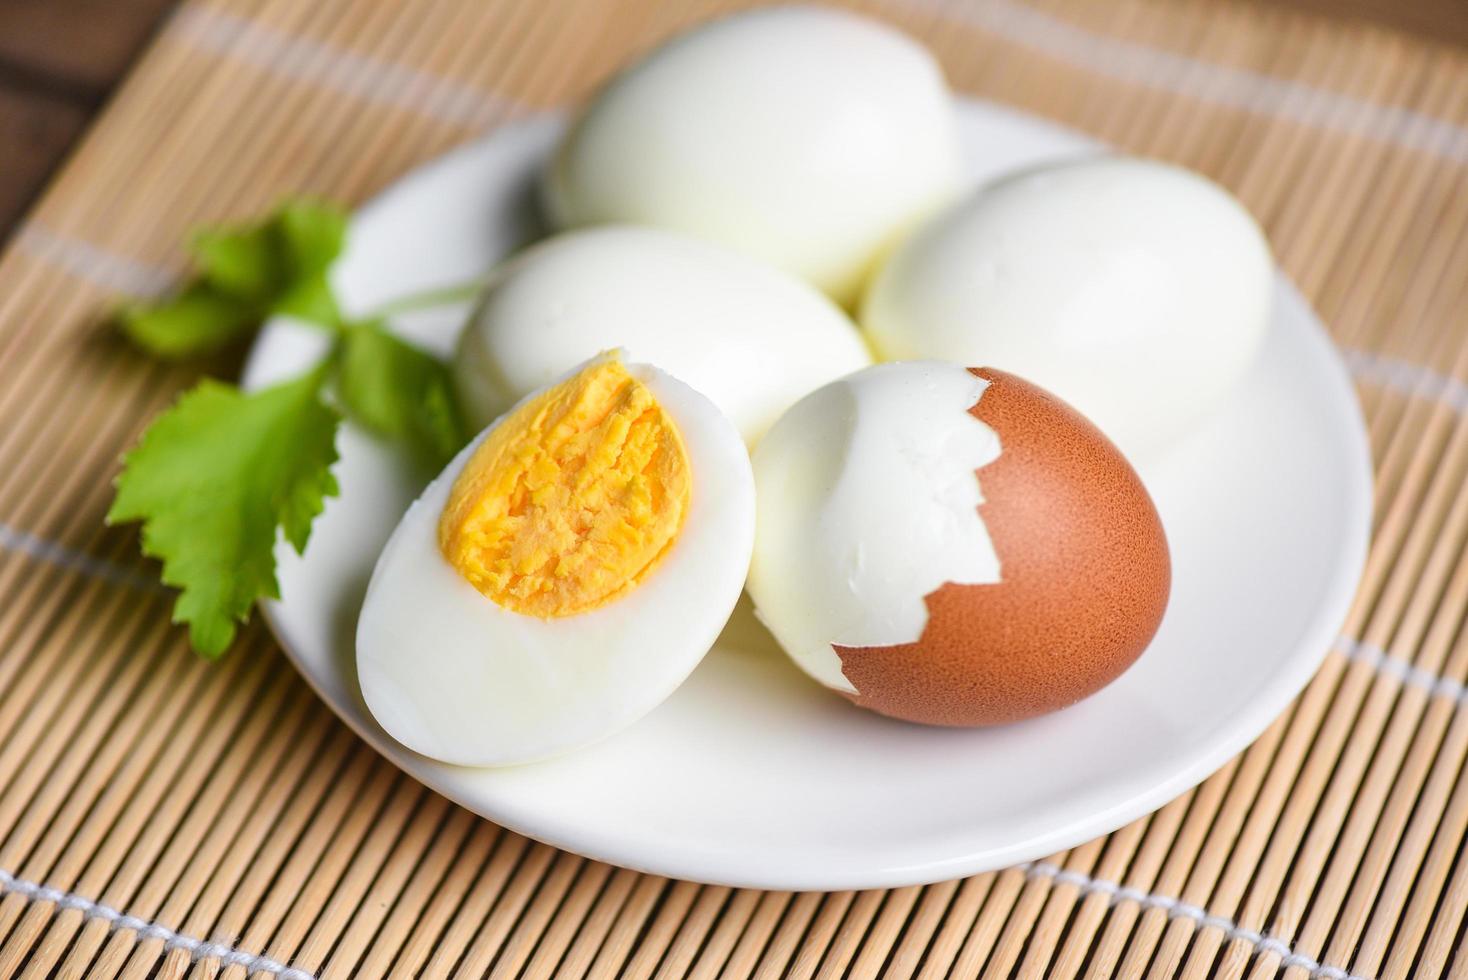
953	546
564	573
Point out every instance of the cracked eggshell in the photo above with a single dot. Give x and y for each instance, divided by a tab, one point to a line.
953	546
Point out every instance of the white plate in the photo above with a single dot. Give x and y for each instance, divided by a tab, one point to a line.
751	775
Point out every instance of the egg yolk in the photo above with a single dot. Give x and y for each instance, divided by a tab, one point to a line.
573	498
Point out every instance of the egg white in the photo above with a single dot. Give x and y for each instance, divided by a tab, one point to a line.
454	676
807	137
1137	291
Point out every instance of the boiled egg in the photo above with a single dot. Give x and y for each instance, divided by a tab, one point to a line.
1136	290
806	137
750	338
953	546
563	574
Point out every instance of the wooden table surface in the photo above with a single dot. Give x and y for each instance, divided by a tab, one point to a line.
61	59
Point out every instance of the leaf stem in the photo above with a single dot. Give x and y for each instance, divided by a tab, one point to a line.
429	299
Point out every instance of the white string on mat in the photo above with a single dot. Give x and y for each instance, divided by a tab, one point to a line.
23	542
91	263
258	963
360	76
1407	378
1405	671
1178	909
398	85
198	949
1238	88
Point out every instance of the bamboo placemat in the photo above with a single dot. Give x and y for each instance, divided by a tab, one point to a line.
162	816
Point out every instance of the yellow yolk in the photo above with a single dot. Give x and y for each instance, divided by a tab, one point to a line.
572	499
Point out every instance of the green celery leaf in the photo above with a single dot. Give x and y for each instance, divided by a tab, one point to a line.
247	273
311	234
267	262
308	236
214	480
401	392
242	262
196	321
309	298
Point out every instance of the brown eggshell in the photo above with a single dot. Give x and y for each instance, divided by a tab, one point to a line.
1085	578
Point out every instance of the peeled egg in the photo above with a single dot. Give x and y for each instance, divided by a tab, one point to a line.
563	574
748	337
1137	291
953	546
804	136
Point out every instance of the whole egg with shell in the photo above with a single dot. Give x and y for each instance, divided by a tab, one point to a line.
953	546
